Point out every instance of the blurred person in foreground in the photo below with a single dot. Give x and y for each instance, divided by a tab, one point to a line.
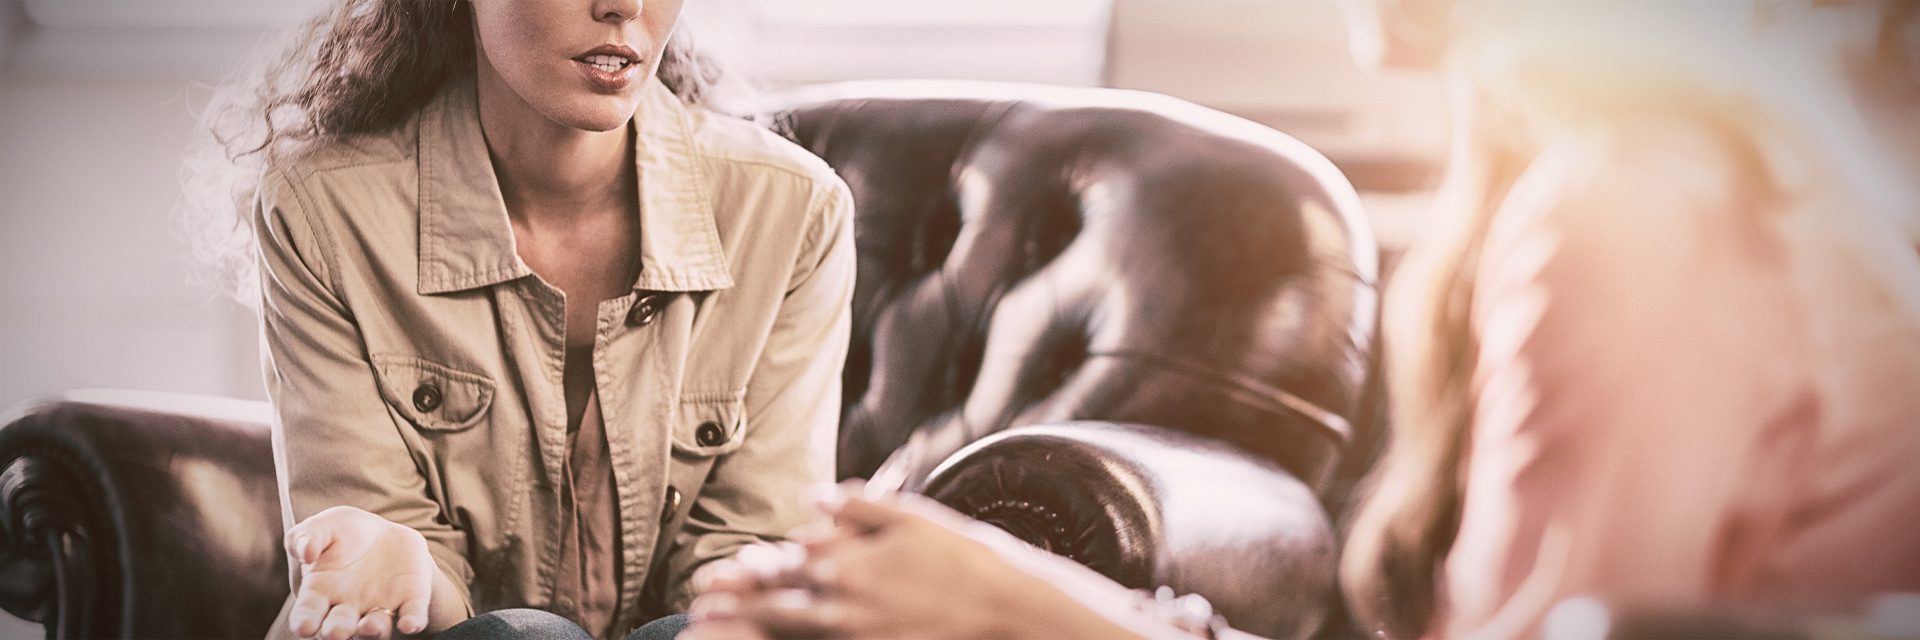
1660	352
544	329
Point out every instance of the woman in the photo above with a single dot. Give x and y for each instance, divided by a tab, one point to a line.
1659	352
542	329
1648	361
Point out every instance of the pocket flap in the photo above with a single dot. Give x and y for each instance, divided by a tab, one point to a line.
433	396
710	424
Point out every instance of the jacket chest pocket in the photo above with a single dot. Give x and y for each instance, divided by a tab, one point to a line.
471	458
432	396
709	425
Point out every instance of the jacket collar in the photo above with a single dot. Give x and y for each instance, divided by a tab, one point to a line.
466	240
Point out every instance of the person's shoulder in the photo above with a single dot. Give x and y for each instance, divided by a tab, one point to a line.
314	197
1671	180
737	148
1656	170
1643	204
368	163
391	147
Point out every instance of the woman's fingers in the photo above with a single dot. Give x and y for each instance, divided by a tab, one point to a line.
856	508
826	538
716	607
724	630
853	572
306	543
296	542
860	513
377	624
411	617
340	623
824	575
309	610
781	613
723	576
770	565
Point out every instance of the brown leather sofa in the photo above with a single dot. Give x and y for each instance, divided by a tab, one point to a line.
1127	329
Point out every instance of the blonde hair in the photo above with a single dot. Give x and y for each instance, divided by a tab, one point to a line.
356	67
1529	73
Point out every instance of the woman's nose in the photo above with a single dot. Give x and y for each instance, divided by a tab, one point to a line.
616	11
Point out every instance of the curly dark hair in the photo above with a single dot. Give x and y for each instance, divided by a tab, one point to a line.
357	67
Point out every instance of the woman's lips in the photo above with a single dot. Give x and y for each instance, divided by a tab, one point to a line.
607	73
609	67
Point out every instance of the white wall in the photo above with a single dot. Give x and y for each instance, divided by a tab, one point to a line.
1284	63
9	20
794	42
96	292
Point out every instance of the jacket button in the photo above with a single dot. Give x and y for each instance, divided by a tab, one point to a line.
669	505
710	435
426	397
643	311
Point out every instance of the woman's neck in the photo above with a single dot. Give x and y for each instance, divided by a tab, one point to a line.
545	168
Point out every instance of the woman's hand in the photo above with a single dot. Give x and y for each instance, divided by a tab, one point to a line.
361	576
868	576
905	566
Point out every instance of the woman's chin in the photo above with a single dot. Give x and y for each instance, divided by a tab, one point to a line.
598	113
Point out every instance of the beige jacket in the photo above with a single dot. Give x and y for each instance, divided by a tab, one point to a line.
414	361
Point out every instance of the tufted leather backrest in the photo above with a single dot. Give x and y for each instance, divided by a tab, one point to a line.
1037	254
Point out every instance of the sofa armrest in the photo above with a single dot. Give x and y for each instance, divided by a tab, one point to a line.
1148	506
128	514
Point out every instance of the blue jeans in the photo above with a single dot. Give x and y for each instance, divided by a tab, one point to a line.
666	628
534	624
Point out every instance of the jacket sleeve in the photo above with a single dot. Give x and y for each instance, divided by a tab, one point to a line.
335	440
756	492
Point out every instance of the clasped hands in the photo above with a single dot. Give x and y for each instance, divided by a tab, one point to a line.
899	565
881	566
